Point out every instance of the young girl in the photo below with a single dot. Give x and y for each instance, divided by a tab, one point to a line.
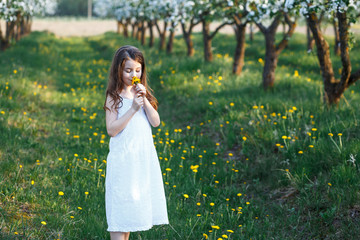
134	190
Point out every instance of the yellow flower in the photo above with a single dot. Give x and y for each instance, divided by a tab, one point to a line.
61	193
329	184
212	204
135	80
43	223
186	196
215	227
300	152
205	235
340	134
86	193
168	169
230	231
210	103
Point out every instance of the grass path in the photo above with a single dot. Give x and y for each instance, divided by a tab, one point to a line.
238	162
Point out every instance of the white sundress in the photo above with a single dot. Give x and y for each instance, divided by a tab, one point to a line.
134	190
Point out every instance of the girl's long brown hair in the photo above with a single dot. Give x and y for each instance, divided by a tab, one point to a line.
116	83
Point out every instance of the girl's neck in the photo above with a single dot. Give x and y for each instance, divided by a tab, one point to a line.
128	92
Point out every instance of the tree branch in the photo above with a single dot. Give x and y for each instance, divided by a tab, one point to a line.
285	40
344	48
261	27
354	77
157	27
218	28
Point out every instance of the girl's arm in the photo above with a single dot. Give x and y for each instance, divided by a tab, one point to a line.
151	113
114	125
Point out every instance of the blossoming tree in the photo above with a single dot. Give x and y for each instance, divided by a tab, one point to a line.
209	11
188	20
346	12
17	15
272	11
238	12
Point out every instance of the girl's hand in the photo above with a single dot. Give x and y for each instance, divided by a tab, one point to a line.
137	102
140	89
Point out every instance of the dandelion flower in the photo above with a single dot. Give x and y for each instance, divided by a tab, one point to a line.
135	80
186	196
43	223
61	193
215	227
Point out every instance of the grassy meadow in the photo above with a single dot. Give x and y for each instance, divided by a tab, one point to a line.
238	162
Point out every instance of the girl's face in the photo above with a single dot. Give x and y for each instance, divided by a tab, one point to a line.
131	69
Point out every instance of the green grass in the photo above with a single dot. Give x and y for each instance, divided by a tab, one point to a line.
262	186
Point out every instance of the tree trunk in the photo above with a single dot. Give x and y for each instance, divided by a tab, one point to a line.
151	40
1	38
119	24
162	35
240	31
143	29
208	55
125	31
133	30
187	38
271	59
28	22
323	53
337	38
273	51
139	30
310	39
170	43
251	32
9	33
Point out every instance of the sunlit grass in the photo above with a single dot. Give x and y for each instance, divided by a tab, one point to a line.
238	162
